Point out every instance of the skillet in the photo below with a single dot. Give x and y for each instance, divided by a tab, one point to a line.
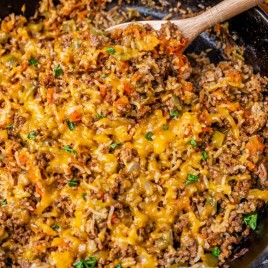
251	28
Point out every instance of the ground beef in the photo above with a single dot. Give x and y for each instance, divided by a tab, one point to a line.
262	171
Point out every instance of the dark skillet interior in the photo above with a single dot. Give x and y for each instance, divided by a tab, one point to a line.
252	30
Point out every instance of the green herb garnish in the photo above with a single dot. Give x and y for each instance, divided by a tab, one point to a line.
174	113
165	127
73	182
90	16
55	227
148	136
251	220
83	195
4	203
104	76
110	50
114	145
57	71
70	124
32	135
192	142
32	61
68	149
118	265
100	116
88	262
216	251
9	126
191	178
204	156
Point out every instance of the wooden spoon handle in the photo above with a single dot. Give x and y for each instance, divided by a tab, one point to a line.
226	10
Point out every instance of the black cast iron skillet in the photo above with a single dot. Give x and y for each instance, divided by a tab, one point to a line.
252	30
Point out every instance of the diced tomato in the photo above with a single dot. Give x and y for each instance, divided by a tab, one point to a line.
127	88
103	91
255	145
50	95
207	129
123	101
23	158
250	165
75	116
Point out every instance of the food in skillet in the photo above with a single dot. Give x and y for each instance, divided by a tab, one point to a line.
115	152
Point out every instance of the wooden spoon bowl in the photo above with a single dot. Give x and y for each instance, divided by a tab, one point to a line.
192	27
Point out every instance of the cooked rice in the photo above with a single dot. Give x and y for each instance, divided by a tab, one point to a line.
116	151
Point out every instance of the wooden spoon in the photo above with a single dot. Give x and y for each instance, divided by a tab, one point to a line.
192	27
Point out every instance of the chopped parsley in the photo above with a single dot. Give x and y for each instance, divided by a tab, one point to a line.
174	113
32	61
88	262
216	251
104	76
4	203
32	135
251	220
90	16
192	142
100	116
9	126
57	71
73	182
110	50
191	178
118	265
204	156
68	149
70	124
149	135
165	127
114	145
55	227
83	195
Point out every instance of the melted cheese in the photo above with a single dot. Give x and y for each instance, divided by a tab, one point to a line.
258	194
146	175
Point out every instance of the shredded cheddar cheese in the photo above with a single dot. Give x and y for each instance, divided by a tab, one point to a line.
111	155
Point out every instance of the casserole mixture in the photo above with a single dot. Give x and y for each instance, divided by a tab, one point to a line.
116	152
